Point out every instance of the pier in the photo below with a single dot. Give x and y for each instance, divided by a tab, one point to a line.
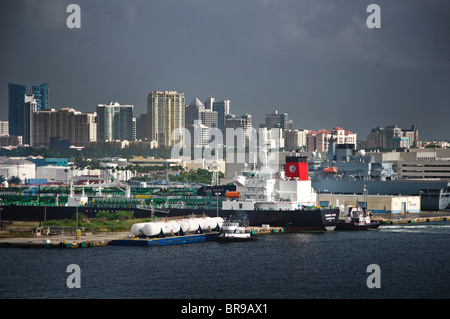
265	229
410	218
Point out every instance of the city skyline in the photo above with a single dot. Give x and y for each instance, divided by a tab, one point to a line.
315	60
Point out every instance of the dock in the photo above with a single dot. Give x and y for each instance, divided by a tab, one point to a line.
265	229
410	218
61	241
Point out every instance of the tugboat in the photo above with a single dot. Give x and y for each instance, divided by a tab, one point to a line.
234	231
357	219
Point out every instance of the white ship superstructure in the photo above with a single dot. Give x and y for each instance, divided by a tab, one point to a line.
267	189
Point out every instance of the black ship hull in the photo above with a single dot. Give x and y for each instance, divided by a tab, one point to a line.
290	220
342	225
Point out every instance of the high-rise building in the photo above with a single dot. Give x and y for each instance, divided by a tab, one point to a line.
209	118
392	137
223	109
114	122
78	128
143	132
233	122
4	128
29	108
295	139
193	111
40	93
166	112
278	120
16	95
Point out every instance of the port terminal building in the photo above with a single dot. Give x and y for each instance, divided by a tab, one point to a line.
393	204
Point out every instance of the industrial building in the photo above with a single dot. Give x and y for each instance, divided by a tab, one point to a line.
393	204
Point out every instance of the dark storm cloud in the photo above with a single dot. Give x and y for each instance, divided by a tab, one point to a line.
315	60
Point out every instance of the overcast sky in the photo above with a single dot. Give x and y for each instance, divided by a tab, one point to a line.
315	60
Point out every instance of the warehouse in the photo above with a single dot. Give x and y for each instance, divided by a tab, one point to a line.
375	203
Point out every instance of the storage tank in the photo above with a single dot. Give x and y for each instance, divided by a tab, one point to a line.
137	229
183	224
214	221
193	224
152	229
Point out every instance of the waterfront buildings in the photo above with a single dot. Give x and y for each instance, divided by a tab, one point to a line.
30	106
193	111
16	96
222	108
166	112
4	128
40	93
239	127
295	139
76	127
114	121
278	120
392	137
319	141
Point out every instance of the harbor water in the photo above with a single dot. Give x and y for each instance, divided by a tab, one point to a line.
413	260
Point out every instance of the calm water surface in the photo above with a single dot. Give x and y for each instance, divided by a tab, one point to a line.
414	260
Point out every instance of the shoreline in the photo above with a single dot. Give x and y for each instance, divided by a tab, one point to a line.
70	240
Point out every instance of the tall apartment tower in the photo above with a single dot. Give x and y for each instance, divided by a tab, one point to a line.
166	112
78	128
40	93
114	121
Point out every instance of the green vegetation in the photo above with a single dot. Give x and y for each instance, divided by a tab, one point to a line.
201	176
103	221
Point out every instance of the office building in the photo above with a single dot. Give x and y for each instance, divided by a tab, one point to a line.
114	122
233	126
193	111
166	112
222	108
278	120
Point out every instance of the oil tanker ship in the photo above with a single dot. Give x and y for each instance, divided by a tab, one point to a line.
259	196
283	199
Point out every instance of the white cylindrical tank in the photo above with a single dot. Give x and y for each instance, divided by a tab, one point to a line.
152	229
192	224
216	221
182	224
137	229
